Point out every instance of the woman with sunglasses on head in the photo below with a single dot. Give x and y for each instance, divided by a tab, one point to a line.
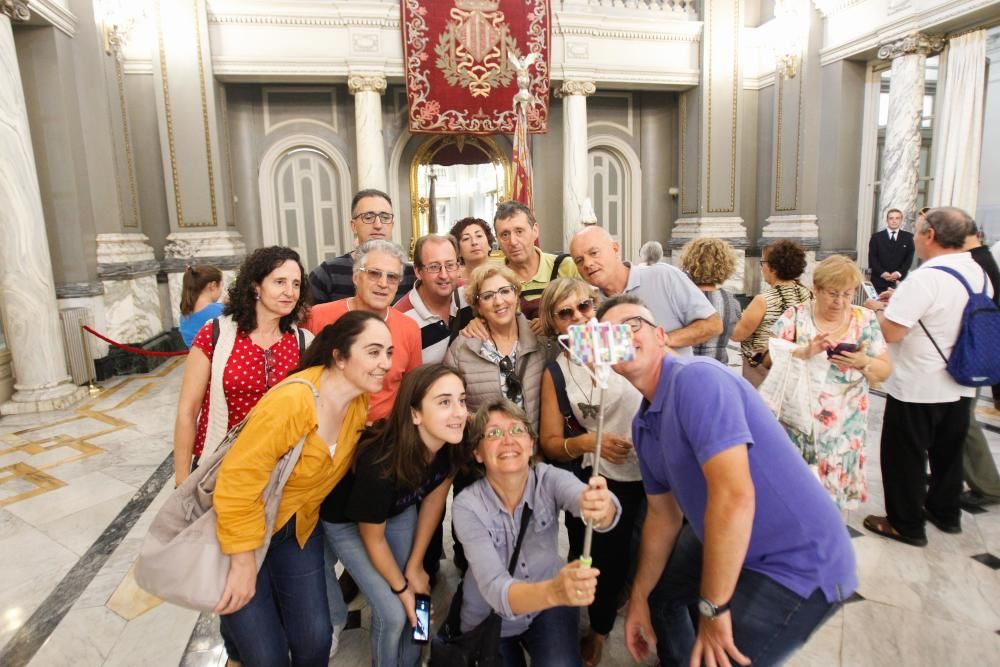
380	519
568	438
539	602
509	362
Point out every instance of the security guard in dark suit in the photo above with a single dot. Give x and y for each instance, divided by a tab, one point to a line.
890	252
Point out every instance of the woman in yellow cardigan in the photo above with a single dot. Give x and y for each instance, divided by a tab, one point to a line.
280	615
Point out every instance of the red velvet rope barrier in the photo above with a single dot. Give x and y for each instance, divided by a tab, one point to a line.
134	350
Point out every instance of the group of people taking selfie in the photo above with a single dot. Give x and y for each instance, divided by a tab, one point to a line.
721	530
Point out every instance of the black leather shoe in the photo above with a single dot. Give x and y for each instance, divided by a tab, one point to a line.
952	528
974	499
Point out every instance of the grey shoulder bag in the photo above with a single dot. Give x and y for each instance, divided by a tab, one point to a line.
181	560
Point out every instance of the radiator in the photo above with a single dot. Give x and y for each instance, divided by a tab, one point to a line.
79	360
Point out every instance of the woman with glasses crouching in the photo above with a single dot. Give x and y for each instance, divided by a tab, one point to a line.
509	362
568	437
539	603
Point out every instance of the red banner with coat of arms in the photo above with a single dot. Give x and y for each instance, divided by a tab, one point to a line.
460	76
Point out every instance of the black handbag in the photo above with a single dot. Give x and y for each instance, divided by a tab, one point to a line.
480	646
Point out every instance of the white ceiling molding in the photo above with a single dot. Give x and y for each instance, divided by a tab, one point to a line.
855	28
56	14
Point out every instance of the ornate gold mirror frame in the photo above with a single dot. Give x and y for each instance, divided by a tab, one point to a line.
425	158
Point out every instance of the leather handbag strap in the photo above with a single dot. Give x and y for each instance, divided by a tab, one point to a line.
525	518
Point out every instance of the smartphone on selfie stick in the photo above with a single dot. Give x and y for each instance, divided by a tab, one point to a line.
422	631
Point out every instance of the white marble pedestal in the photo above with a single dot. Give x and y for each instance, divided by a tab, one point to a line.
127	269
223	250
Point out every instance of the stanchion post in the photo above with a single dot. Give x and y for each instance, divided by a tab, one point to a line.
92	385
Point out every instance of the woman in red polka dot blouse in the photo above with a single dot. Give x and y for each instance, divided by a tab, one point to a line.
257	345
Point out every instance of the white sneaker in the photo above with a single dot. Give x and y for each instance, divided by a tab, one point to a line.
335	644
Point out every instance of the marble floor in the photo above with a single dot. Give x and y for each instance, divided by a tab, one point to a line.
78	489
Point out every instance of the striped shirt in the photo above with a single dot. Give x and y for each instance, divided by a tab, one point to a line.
435	333
531	290
333	280
778	299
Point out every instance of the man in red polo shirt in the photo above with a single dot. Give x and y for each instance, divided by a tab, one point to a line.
378	268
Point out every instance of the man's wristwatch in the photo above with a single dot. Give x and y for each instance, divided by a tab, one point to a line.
709	610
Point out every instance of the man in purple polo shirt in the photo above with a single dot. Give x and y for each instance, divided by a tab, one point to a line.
764	555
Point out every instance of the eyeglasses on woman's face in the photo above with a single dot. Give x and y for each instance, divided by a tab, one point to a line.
585	307
515	431
504	292
834	295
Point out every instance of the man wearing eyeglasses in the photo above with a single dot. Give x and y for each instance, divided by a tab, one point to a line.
378	266
764	555
371	219
435	300
677	304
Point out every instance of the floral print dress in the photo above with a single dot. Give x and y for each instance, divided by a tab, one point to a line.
836	448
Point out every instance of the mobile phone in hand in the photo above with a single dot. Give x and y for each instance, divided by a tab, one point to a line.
422	631
842	347
870	290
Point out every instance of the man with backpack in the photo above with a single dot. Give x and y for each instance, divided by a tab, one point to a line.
935	370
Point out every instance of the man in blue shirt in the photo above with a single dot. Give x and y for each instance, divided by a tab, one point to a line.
765	554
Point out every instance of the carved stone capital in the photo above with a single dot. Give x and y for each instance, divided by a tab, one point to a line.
15	10
916	43
585	88
357	83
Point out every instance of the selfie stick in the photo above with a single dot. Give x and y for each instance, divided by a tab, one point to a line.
596	347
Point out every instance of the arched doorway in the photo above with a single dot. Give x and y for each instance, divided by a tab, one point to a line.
304	192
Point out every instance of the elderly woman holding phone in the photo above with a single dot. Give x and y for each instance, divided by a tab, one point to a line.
539	604
850	337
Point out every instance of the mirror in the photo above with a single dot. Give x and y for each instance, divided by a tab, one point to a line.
454	177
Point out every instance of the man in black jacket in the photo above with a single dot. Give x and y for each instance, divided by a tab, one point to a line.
890	252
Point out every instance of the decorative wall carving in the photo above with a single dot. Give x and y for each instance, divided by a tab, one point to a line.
367	82
914	43
15	10
584	88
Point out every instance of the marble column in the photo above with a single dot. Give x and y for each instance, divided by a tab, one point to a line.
576	177
367	90
711	128
901	156
27	288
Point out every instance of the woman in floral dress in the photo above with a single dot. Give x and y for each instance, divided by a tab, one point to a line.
836	447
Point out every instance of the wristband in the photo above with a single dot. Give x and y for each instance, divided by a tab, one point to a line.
566	447
406	584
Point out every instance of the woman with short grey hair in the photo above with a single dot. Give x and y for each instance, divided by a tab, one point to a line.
539	603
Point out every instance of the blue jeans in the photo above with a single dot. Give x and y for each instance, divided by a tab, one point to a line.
288	613
551	641
391	638
770	621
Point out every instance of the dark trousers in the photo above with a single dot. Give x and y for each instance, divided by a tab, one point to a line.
912	434
287	622
611	554
435	549
551	641
770	621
